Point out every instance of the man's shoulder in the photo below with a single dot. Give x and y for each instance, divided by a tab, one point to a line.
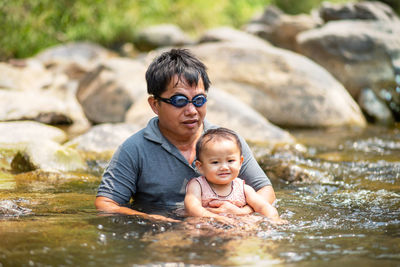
135	139
143	136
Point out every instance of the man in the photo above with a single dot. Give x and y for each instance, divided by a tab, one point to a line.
154	165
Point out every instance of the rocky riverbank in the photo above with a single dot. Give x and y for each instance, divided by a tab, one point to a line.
77	102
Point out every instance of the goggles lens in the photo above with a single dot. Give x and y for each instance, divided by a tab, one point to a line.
180	101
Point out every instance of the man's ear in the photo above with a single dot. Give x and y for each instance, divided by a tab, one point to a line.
153	104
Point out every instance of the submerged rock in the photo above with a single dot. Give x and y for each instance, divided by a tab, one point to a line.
374	108
8	208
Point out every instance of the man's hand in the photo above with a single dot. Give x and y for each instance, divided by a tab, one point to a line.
107	205
225	207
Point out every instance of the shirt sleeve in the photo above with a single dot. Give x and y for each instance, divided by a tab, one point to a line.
119	178
251	171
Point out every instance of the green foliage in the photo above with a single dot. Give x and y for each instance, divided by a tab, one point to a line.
28	26
395	4
303	6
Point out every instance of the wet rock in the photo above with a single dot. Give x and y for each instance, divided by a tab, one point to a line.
286	88
282	164
278	28
390	94
225	110
103	138
23	132
47	156
364	10
8	208
159	36
277	170
375	109
360	54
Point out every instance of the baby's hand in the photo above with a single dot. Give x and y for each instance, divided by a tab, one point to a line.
278	221
225	207
224	220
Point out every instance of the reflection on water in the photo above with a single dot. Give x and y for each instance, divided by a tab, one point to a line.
345	210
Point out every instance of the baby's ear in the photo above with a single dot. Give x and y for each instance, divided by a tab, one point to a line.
241	159
198	165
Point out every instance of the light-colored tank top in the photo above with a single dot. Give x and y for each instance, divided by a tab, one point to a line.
236	196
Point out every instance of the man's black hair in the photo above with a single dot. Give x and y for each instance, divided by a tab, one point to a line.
178	62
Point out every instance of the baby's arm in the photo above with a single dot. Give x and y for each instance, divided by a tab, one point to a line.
260	205
193	203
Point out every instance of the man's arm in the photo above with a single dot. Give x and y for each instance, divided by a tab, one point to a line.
267	193
107	205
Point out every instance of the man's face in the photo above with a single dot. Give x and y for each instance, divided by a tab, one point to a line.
180	123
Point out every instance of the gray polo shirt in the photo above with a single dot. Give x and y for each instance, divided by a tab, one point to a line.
151	170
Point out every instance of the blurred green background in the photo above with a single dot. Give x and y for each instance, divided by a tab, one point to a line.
28	26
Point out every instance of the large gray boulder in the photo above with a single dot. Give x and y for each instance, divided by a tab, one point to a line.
278	28
107	92
28	75
37	106
103	138
228	111
162	35
43	106
359	54
22	132
286	88
364	10
82	53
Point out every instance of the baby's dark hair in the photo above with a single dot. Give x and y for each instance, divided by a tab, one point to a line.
216	133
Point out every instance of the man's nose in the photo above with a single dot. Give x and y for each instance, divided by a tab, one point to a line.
190	108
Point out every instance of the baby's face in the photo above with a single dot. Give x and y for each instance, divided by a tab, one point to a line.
220	161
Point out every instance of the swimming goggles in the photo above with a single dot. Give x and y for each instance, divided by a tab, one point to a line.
180	101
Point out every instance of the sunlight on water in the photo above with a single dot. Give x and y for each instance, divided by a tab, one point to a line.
341	198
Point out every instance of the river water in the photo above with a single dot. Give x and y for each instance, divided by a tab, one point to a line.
344	210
